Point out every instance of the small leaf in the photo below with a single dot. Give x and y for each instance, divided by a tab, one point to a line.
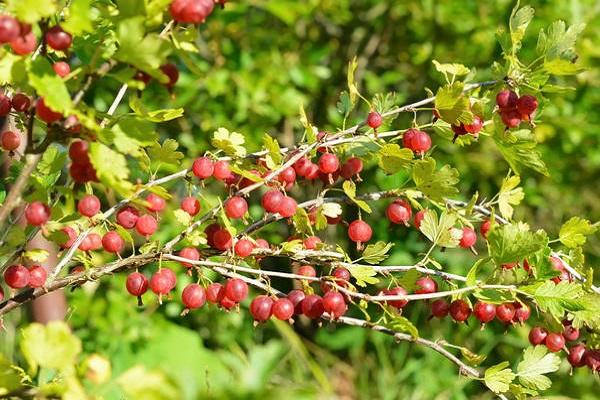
510	195
31	11
499	377
402	324
350	190
473	272
452	69
439	231
452	104
537	362
391	158
363	274
36	255
301	222
166	153
231	143
377	252
437	185
50	346
182	217
275	156
573	232
472	358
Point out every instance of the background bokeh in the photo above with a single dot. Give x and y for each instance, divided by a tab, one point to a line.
258	62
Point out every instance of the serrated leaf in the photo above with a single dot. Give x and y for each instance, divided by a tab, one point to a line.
520	152
292	246
301	222
49	85
452	105
15	236
573	232
519	20
474	271
499	377
166	153
536	363
149	247
344	104
275	156
350	190
452	69
514	242
232	143
437	185
392	158
509	195
36	255
79	17
439	231
363	274
196	238
31	11
559	42
377	252
111	168
135	103
144	51
50	346
557	299
402	324
589	315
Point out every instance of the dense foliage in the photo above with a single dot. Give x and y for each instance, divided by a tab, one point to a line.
364	194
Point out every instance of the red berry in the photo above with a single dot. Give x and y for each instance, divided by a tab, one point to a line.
522	313
419	218
425	285
72	236
342	275
215	293
554	342
9	29
210	231
505	312
37	213
10	140
222	239
156	203
399	212
459	130
78	152
21	102
142	77
310	243
171	71
46	114
485	228
592	360
90	242
334	304
469	237
236	207
24	44
506	99
58	39
328	163
511	118
408	137
537	335
190	205
227	303
307	270
459	310
374	119
191	253
191	11
296	296
271	200
61	68
287	176
558	265
89	205
16	276
113	242
484	312
161	283
288	207
262	244
243	248
570	333
312	172
193	296
37	276
359	231
261	308
527	104
474	127
283	309
221	170
312	306
421	142
5	105
127	217
146	225
136	284
236	289
396	291
576	356
440	308
203	167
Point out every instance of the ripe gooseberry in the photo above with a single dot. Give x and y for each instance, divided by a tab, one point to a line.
37	276
37	213
425	285
399	212
146	225
537	335
243	248
271	200
359	231
191	253
191	11
215	292
440	308
283	309
484	312
58	39
136	284
312	306
374	119
459	310
505	312
190	205
127	217
236	290
89	205
334	304
21	102
203	167
16	276
193	296
554	342
261	308
236	207
10	140
113	242
156	203
468	239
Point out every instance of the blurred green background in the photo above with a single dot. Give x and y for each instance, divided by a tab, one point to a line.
258	62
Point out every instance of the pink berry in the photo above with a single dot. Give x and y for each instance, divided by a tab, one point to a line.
311	242
334	304
215	293
136	284
296	296
9	29
359	231
537	335
61	68
288	207
527	104
72	236
113	242
146	225
191	253
21	102
271	200
161	283
399	212
506	99
16	276
156	203
328	163
236	207
475	127
89	205
396	291
37	213
425	285
243	248
236	289
10	140
221	170
58	39
505	312
419	218
127	217
193	296
37	276
283	309
261	308
576	356
190	205
469	237
485	228
45	113
222	239
440	308
191	11
307	270
24	44
374	119
554	342
203	167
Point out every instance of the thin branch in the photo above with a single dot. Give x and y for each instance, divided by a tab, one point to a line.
14	195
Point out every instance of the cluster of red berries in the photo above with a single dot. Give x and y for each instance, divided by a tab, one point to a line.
81	169
417	141
22	40
459	310
17	277
473	128
514	109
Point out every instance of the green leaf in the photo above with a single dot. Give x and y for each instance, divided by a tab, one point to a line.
111	168
588	315
12	68
15	236
473	272
49	85
520	151
36	255
573	232
472	358
135	103
145	52
452	69
344	104
129	135
402	324
274	156
140	383
537	362
557	299
453	106
391	158
31	11
292	246
440	231
166	153
514	242
377	252
363	274
437	185
231	143
50	346
301	222
519	20
510	195
350	190
352	89
558	43
499	377
79	17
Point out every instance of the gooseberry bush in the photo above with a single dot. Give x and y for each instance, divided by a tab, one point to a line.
99	182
